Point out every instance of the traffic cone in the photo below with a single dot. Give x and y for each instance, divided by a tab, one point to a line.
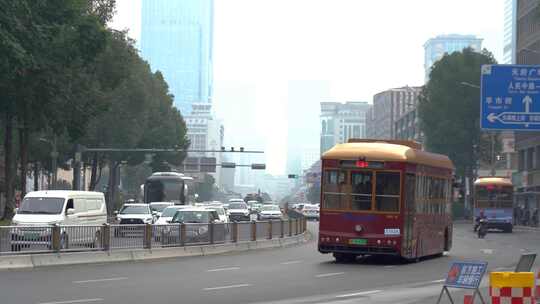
467	299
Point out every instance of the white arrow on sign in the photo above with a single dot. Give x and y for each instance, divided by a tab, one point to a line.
527	100
492	117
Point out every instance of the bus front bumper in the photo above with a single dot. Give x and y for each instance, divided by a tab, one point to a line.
360	250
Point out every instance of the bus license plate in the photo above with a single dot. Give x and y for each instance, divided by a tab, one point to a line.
358	241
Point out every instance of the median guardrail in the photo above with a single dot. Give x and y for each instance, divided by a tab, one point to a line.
16	240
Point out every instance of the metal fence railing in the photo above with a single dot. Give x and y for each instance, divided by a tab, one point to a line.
55	238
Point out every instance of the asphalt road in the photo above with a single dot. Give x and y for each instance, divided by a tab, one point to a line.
289	275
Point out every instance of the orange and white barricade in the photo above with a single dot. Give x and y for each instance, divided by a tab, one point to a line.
512	288
537	288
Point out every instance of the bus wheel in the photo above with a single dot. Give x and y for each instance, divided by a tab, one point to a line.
344	257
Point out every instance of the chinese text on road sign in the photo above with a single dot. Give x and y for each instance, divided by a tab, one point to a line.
465	274
510	97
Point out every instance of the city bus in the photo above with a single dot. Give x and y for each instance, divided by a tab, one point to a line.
385	198
167	187
493	200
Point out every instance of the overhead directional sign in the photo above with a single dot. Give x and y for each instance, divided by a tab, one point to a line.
510	97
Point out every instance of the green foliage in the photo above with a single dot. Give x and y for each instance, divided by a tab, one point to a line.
66	78
449	111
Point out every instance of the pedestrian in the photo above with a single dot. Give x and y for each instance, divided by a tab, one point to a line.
516	215
535	217
527	217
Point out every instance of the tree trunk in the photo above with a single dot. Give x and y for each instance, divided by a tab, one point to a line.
7	209
93	176
36	176
23	144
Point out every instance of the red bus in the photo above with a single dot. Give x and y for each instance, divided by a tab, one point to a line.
385	198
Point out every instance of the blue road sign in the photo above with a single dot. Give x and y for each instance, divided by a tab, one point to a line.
510	97
466	275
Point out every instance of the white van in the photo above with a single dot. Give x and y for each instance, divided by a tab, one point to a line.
64	208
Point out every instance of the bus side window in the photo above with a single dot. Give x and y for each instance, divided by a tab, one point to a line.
387	191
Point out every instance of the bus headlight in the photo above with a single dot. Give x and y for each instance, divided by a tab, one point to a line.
358	228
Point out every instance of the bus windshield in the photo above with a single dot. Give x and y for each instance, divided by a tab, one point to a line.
384	197
164	190
493	197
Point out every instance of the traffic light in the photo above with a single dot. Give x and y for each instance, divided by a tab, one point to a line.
258	166
228	165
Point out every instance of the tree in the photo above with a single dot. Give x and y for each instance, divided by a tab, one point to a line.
45	45
449	112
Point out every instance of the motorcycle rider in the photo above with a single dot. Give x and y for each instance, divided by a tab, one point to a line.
481	216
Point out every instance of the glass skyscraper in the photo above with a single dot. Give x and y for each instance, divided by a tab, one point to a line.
509	48
176	38
435	48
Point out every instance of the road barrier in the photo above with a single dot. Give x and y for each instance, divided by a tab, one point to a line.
16	240
512	287
537	288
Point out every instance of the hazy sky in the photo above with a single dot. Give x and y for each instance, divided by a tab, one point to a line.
360	47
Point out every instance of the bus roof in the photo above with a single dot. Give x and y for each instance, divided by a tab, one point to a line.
493	180
374	150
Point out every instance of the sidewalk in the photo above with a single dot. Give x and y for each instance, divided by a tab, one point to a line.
526	228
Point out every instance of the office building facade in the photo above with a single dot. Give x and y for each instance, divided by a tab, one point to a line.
394	106
509	38
342	121
436	47
527	144
176	39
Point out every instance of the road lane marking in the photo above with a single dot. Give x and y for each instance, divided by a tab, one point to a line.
362	293
438	281
487	251
389	266
291	262
324	275
226	287
100	280
223	269
75	301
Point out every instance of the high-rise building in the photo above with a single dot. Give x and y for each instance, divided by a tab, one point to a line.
435	48
341	122
205	132
176	38
527	144
304	97
407	124
509	41
389	107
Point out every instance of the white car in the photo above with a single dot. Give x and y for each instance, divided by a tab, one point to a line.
157	207
135	214
270	212
238	211
168	213
311	212
220	211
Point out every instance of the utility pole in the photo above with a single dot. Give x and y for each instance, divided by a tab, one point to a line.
493	154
